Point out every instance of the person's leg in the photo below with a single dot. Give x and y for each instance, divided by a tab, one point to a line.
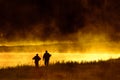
36	64
45	62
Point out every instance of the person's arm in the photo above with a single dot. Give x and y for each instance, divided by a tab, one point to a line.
49	55
39	58
33	58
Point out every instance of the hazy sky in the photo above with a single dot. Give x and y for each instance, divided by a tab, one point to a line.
60	26
59	20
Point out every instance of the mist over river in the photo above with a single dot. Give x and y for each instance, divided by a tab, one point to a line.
15	58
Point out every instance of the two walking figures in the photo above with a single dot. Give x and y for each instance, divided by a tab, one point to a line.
46	58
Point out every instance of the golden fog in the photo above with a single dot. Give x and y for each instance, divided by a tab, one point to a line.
71	30
21	53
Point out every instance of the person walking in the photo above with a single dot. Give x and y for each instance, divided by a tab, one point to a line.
37	59
46	58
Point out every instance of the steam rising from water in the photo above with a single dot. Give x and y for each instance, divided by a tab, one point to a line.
60	26
12	59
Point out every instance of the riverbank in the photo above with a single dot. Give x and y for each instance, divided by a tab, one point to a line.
102	70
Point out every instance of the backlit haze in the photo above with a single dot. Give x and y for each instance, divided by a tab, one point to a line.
71	30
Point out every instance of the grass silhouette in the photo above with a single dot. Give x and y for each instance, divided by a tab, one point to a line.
101	70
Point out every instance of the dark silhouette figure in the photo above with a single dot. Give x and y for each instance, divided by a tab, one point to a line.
46	58
37	59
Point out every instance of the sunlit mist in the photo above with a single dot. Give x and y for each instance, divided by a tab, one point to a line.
71	30
22	55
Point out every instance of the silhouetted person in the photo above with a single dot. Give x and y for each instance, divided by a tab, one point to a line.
46	58
37	59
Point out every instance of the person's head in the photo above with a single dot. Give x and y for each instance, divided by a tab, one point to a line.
36	54
46	51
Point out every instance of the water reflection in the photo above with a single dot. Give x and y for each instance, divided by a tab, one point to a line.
8	59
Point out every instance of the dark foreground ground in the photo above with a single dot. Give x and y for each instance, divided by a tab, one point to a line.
102	70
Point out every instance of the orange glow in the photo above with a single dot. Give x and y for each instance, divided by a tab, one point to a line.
21	53
14	59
